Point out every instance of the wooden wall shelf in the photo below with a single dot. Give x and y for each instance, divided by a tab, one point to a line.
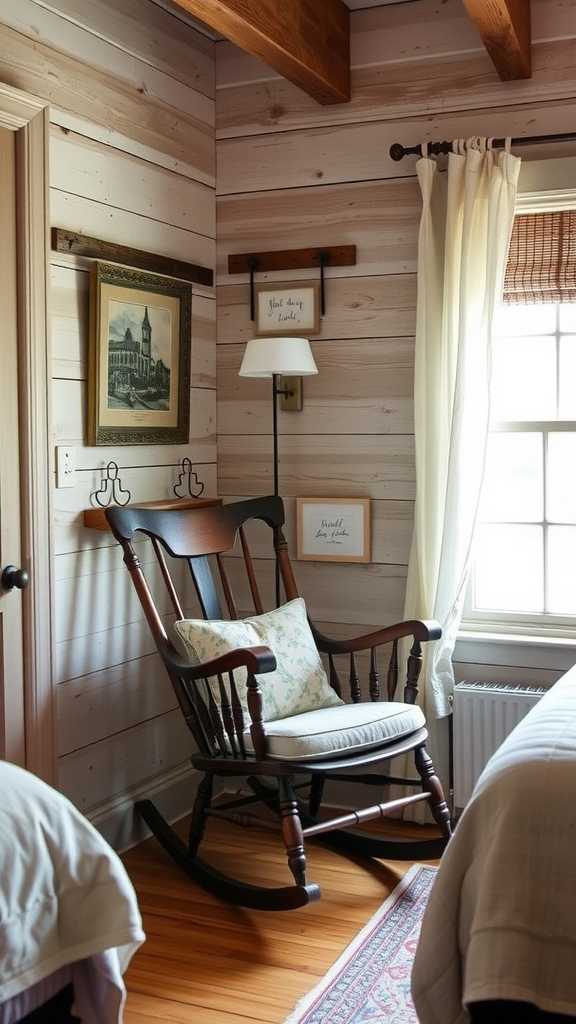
95	518
292	259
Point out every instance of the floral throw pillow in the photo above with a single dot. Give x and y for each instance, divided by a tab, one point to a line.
299	682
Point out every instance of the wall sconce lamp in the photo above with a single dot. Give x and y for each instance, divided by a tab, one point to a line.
286	361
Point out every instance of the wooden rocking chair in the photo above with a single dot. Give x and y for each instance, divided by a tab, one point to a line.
226	748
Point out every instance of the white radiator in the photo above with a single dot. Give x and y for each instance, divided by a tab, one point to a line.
484	715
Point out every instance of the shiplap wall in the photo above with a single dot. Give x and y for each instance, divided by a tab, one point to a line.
291	173
132	160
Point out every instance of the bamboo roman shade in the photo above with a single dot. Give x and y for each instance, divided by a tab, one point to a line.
542	258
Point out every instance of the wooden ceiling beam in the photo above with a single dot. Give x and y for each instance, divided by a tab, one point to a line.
505	29
307	41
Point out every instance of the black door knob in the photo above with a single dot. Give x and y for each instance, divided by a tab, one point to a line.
13	577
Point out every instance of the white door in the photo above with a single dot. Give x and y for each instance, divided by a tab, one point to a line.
12	577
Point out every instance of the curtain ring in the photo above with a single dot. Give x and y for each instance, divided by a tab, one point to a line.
424	150
490	143
482	144
508	144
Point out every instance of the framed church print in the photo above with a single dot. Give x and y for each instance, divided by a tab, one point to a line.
139	358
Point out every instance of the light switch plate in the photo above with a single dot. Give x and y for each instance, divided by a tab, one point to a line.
65	466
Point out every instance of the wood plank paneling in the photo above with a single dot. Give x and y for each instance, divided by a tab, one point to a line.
89	708
124	760
375	466
108	100
356	307
203	351
362	387
89	217
379	217
161	40
358	152
89	169
81	656
37	21
461	81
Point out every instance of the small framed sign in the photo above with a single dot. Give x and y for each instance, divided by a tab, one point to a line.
333	529
283	310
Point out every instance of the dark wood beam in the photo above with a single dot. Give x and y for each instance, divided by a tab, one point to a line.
307	41
505	29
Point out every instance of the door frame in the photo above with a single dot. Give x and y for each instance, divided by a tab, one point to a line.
28	117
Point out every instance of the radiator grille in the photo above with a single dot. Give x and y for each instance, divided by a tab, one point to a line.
484	715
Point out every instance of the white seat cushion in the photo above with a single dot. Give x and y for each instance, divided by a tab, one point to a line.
346	729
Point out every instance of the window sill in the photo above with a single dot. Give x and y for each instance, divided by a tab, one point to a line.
515	649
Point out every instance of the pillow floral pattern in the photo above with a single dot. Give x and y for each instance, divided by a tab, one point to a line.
299	682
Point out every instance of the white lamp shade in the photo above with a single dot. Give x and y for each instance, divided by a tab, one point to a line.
291	357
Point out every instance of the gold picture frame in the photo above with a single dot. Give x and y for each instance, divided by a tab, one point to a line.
333	529
139	359
283	310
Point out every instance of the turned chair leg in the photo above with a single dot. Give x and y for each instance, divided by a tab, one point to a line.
292	831
198	820
431	784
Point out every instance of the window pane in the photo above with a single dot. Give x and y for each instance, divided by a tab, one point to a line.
561	478
562	570
524	379
509	568
567	410
513	485
537	319
567	316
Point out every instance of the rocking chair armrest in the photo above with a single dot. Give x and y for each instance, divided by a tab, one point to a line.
257	660
421	629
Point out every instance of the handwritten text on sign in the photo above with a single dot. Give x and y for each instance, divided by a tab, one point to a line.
335	529
284	310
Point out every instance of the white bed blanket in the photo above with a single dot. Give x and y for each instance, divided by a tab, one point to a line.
501	920
65	898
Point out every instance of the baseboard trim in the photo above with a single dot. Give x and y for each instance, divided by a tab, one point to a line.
173	793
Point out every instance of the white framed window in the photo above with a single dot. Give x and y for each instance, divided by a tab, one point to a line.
524	570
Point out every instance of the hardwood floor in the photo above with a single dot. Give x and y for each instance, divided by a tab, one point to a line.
208	963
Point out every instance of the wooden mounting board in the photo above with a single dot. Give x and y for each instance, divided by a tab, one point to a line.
94	248
292	259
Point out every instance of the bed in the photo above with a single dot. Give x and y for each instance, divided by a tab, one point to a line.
498	940
69	919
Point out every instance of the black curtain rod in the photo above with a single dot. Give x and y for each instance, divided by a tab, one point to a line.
398	151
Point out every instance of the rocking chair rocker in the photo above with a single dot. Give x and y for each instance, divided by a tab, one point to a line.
227	748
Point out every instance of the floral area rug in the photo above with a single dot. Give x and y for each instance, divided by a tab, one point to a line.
370	982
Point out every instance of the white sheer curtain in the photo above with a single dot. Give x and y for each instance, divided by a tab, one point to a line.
465	228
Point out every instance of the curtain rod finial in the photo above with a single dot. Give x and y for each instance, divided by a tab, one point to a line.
397	151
